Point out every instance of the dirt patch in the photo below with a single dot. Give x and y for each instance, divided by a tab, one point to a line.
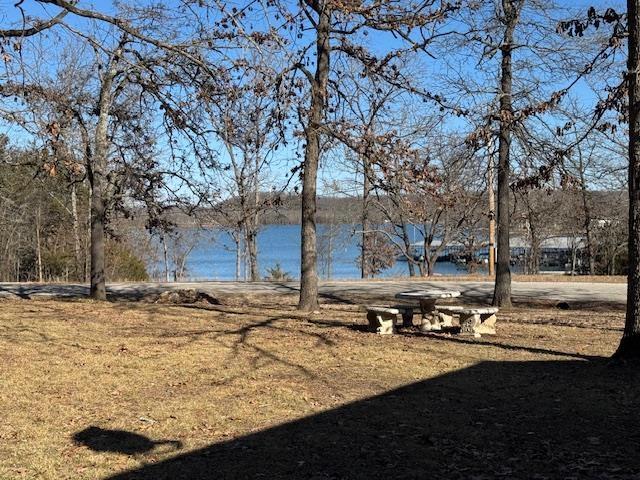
95	390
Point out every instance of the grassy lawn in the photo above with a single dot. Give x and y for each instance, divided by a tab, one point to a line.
252	389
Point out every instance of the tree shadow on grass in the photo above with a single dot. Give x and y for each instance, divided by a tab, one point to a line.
453	336
571	419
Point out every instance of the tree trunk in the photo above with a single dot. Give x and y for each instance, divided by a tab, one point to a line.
309	253
255	220
502	290
96	178
76	233
586	208
630	343
252	250
165	252
408	249
534	243
589	242
430	263
534	258
492	210
38	247
330	252
238	242
366	186
252	231
87	235
411	266
97	173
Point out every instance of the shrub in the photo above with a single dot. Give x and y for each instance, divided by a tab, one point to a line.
276	274
123	264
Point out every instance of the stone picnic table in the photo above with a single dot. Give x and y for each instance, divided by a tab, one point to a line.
427	300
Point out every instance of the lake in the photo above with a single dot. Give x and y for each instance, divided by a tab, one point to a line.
213	257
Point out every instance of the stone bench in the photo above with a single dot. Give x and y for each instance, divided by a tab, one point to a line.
473	320
407	313
382	320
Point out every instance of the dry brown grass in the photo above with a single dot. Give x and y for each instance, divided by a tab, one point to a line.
212	376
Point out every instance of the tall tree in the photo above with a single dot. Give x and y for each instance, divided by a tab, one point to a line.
434	190
630	343
164	74
623	98
317	33
521	51
336	29
510	15
96	173
309	251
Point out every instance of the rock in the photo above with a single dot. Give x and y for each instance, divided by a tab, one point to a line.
563	306
183	296
4	295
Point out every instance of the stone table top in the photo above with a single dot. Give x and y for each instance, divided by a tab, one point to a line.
427	294
469	310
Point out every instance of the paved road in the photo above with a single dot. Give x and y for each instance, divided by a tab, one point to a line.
475	290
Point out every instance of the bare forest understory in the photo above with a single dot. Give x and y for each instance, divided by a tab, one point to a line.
251	388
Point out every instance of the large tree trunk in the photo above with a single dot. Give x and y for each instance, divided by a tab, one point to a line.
98	287
309	253
97	173
502	290
96	179
630	343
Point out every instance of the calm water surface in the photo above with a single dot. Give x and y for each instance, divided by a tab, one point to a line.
214	257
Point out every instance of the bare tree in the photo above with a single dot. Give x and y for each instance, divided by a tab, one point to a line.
630	343
325	30
159	73
246	122
434	191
